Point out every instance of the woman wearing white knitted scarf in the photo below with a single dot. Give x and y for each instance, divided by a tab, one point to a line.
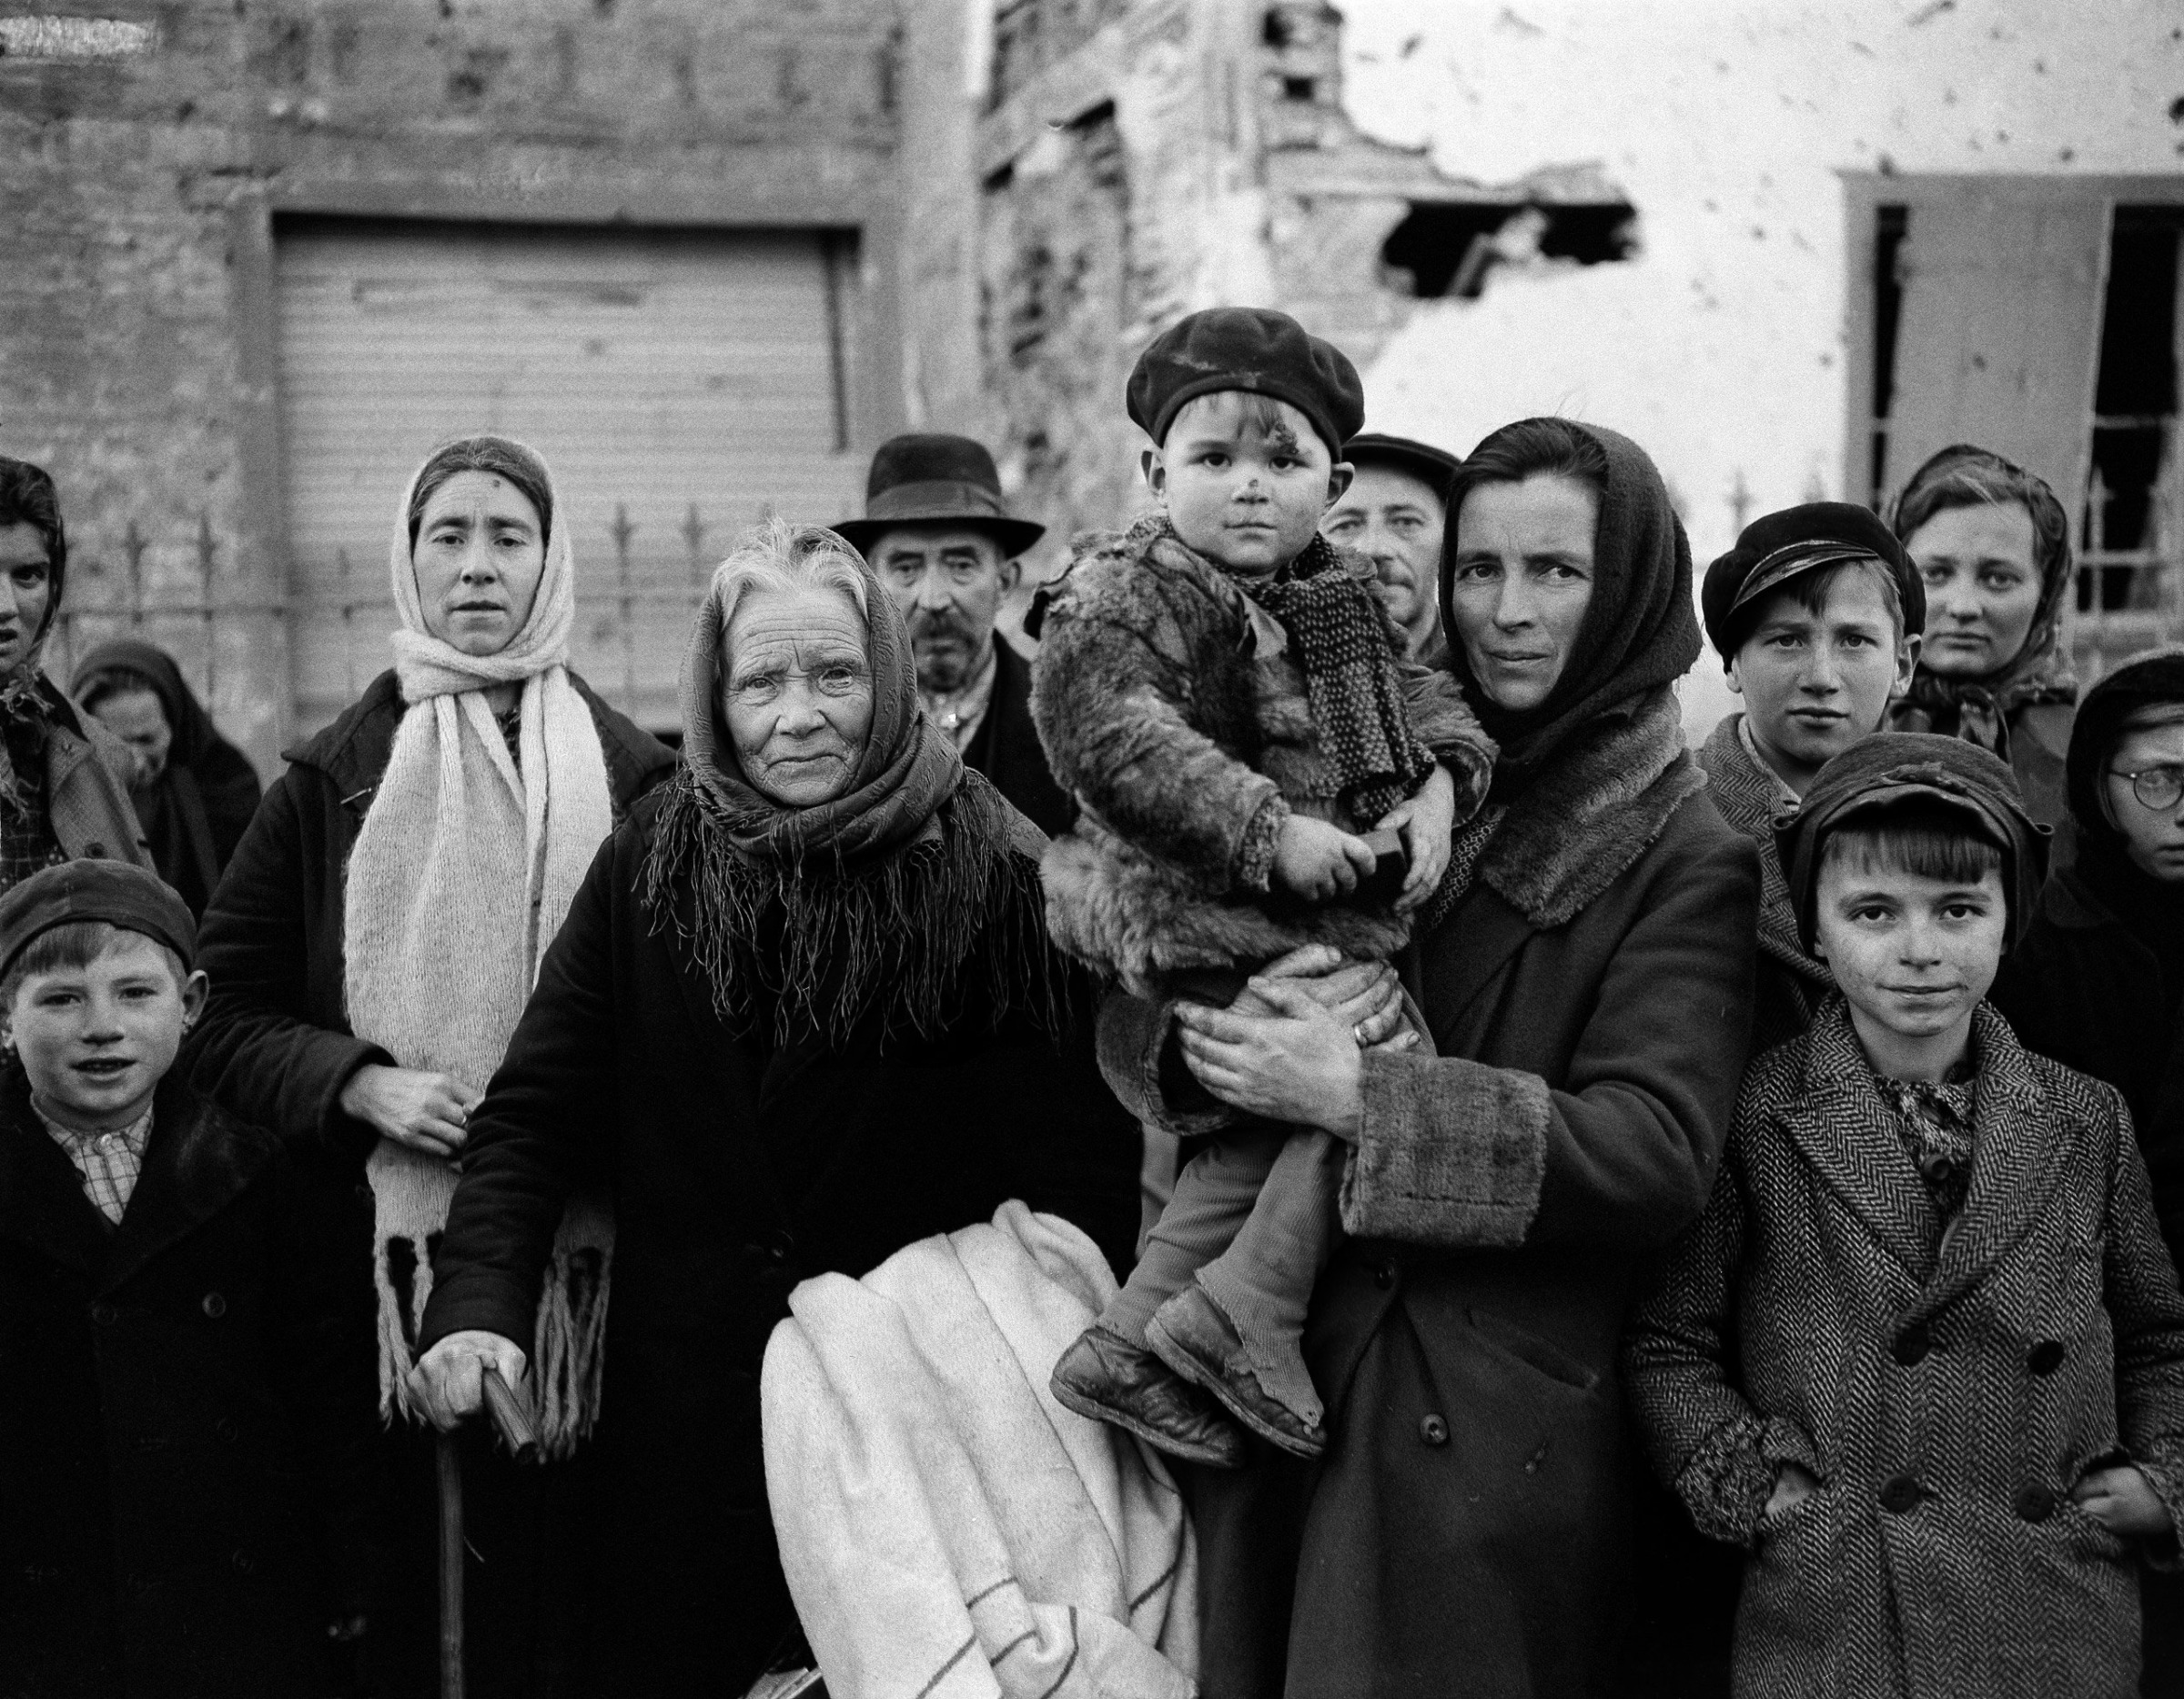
493	803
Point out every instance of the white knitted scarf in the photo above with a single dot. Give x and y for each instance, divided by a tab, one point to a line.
463	871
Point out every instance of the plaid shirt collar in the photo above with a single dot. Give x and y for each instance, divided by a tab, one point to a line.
108	1161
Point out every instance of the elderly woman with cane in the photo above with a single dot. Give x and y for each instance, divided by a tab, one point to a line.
803	1012
370	949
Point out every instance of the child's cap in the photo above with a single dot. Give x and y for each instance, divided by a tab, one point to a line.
1775	547
113	891
1254	349
1890	767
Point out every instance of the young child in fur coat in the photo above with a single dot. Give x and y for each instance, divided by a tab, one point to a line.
1223	695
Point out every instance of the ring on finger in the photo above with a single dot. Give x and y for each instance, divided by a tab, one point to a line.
1358	1032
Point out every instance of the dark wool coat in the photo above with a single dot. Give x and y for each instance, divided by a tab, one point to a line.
1791	984
737	1169
2040	737
1173	708
185	1416
2083	987
275	1046
1005	747
87	772
1466	1532
1947	1402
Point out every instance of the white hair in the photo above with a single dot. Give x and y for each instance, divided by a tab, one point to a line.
778	555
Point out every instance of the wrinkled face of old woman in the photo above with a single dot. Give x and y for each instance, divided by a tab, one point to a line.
796	692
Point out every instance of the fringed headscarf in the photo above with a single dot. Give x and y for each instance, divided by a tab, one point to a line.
1640	632
462	872
29	701
910	898
1979	709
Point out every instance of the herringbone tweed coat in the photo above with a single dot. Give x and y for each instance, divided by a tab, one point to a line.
1947	1401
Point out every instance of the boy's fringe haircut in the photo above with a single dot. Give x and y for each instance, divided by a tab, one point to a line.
76	944
1924	838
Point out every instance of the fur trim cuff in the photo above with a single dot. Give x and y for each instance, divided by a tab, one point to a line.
1254	869
1450	1153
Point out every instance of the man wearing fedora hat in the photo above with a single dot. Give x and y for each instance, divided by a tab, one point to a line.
936	532
1395	513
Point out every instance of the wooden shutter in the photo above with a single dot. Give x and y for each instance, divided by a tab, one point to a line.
662	374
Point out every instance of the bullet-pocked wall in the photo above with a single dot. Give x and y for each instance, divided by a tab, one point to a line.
255	256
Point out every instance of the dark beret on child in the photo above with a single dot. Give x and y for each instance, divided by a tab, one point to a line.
1775	547
1254	349
1898	766
113	891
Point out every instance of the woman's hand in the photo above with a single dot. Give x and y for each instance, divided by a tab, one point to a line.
427	1112
1365	997
2123	1500
1297	1064
1793	1483
448	1382
1428	825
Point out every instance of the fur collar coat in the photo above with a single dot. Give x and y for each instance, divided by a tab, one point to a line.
1173	707
1948	1390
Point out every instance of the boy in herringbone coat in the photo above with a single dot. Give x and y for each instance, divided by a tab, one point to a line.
1923	1355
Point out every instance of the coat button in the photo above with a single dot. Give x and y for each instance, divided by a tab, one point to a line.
1901	1494
1434	1431
244	1564
1384	1277
103	1313
2046	1357
94	850
214	1305
1913	1344
782	1246
224	1427
2035	1503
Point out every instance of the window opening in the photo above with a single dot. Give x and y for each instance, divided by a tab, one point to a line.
2128	541
1891	224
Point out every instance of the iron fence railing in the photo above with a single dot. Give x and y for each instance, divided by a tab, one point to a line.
2131	598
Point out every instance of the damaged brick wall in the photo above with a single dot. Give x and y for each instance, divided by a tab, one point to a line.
135	216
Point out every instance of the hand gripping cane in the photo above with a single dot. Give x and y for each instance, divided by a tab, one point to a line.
513	1421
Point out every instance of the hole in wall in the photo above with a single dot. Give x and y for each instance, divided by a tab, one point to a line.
1452	248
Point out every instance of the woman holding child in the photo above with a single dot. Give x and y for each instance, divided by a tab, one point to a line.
371	947
803	1012
1585	973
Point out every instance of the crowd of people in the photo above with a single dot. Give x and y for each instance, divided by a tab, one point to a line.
1585	1215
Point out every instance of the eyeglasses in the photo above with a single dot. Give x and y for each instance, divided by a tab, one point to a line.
2159	788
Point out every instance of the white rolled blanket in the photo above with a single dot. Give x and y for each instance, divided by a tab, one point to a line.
947	1529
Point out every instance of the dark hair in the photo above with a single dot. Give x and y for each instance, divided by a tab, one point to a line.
110	682
1267	414
1528	449
1809	591
28	497
74	944
496	455
1966	477
1920	836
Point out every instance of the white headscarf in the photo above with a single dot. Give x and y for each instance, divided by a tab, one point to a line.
462	872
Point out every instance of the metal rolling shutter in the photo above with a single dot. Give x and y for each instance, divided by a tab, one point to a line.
680	384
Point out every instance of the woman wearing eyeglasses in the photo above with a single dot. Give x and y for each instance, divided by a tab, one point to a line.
2097	980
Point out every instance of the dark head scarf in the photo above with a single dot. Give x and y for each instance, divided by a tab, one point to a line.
914	892
2153	908
1899	766
29	701
1640	632
194	813
1979	710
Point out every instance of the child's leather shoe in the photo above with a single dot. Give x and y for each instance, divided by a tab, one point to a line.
1191	1335
1104	1378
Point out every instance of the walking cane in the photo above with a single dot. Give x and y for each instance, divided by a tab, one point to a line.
513	1421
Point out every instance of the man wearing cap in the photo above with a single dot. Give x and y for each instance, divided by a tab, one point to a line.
1816	613
1395	513
936	533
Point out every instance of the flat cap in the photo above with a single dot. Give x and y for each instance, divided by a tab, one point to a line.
116	892
1778	547
1435	468
1254	349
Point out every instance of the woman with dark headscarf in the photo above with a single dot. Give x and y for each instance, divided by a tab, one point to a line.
1994	546
194	792
803	1012
1586	972
64	779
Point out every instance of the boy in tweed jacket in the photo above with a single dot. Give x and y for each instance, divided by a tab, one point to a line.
1923	1355
1223	696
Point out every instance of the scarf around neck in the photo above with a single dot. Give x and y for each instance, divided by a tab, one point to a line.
1640	631
463	870
887	901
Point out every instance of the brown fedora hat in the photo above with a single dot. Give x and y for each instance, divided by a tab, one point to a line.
934	478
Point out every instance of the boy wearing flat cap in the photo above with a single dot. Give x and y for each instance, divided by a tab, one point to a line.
1815	613
186	1393
1221	693
1923	1355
